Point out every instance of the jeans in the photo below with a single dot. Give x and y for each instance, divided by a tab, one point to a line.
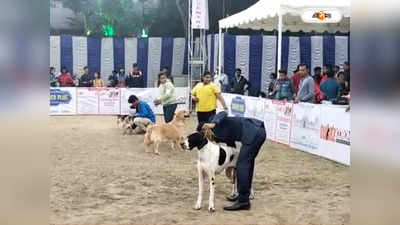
205	116
169	112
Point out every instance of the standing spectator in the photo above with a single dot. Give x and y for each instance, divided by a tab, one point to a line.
336	70
325	70
165	70
306	87
330	87
296	79
97	82
113	79
53	78
346	67
121	77
284	88
239	82
318	71
318	95
136	77
221	80
271	86
143	117
167	98
65	79
86	80
344	89
205	94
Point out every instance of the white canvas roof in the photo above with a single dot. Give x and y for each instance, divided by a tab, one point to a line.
264	15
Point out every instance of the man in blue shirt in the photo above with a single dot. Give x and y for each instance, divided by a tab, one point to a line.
143	117
330	87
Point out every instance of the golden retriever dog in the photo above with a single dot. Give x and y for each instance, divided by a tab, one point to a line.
172	131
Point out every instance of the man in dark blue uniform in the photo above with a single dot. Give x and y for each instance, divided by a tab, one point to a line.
251	133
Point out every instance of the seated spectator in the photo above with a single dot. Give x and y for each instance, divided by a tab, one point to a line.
112	79
344	89
306	86
143	117
53	78
284	88
318	95
271	86
135	77
65	79
86	80
121	76
330	87
97	82
296	79
346	68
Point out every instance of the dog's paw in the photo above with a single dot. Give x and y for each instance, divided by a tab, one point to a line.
211	209
251	197
197	206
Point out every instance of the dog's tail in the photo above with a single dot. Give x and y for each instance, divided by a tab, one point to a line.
147	136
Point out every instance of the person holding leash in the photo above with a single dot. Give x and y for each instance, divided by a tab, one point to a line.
251	133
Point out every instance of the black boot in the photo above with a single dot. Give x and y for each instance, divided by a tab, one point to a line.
238	206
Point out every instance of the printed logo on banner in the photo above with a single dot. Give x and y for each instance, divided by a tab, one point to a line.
333	134
58	97
238	106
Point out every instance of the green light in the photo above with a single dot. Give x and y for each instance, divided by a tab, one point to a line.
108	31
144	34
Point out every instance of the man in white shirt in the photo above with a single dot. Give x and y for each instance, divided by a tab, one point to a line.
221	80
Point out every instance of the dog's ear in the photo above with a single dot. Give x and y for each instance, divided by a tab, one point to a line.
200	126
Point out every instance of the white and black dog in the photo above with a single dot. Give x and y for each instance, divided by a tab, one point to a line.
213	158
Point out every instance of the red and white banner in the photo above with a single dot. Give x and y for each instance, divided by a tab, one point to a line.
306	122
270	118
87	101
200	14
283	121
335	134
109	101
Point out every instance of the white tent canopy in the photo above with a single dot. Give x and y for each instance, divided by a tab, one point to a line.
287	14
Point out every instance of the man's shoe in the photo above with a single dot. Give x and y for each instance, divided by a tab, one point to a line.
233	198
238	206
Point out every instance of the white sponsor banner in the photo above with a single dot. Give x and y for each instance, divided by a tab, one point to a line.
335	134
149	95
200	14
109	101
62	101
306	122
87	101
255	108
270	118
284	121
243	106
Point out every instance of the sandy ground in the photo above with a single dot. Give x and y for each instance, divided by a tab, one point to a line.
99	176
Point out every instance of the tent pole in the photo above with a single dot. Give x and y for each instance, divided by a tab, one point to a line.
279	39
219	49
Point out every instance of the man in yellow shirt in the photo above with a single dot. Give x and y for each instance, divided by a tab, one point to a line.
205	95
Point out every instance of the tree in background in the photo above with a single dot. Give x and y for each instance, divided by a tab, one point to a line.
129	17
91	16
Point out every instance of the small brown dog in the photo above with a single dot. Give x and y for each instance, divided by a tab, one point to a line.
172	131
